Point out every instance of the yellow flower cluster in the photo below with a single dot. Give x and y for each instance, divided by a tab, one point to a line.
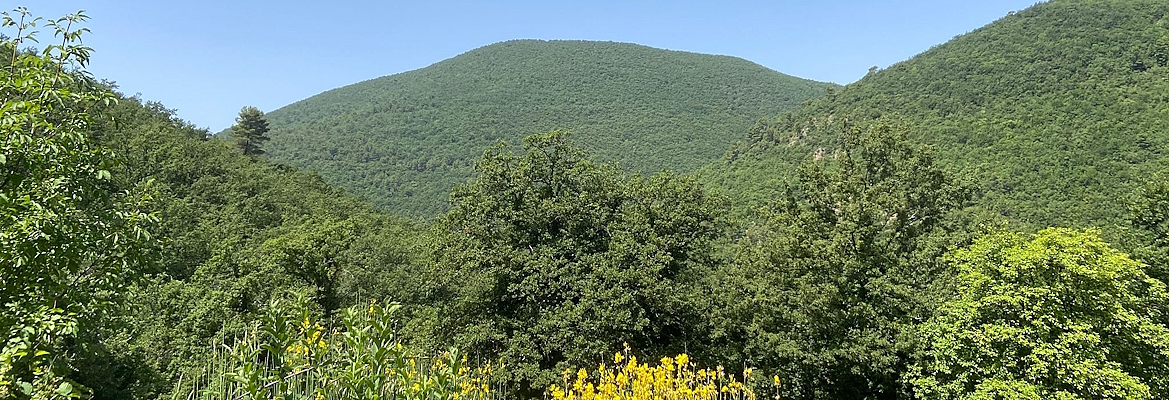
310	339
672	379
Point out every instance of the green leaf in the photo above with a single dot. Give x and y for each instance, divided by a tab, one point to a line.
65	389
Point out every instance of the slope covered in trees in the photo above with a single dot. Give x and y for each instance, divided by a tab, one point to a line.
143	261
1053	112
404	141
233	232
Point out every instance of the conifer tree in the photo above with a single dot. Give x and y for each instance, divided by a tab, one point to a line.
250	130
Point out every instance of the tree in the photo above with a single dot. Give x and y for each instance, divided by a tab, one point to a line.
845	264
250	131
1149	215
1055	315
71	241
557	260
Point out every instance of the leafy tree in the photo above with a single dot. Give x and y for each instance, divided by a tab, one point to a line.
250	131
555	260
1149	215
71	241
1055	315
342	260
845	265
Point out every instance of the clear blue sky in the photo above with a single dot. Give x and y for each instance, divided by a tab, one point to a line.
209	58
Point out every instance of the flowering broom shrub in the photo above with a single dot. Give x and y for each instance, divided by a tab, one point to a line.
672	379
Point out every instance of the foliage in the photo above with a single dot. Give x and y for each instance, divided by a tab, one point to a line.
70	241
674	379
1149	215
234	231
550	257
1055	112
291	355
405	141
829	288
250	131
1055	315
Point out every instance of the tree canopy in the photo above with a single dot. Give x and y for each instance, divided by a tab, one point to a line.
1055	111
250	131
557	260
1058	314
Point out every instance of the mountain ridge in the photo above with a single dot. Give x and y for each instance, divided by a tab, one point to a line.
405	140
1054	111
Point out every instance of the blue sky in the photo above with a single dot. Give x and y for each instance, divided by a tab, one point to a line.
209	58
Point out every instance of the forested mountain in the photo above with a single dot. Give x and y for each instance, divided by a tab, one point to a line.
1053	113
405	140
140	259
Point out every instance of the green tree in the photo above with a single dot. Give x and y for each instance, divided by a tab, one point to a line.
71	241
1149	215
1055	315
250	131
845	265
557	260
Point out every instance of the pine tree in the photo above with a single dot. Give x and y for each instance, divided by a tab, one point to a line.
250	130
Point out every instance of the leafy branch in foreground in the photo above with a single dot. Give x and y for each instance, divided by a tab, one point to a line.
71	241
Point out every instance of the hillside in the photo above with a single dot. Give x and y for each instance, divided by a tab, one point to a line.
1053	112
404	141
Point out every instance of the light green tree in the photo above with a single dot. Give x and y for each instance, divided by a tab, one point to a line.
1055	315
70	240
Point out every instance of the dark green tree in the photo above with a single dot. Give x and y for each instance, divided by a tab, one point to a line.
1055	315
250	131
1149	215
845	265
557	260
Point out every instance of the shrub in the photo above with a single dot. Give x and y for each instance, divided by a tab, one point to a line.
674	378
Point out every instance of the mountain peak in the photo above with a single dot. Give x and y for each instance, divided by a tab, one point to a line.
406	140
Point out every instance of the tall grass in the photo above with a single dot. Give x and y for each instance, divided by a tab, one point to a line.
290	355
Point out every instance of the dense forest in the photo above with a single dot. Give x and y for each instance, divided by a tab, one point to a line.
405	141
988	220
1054	112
